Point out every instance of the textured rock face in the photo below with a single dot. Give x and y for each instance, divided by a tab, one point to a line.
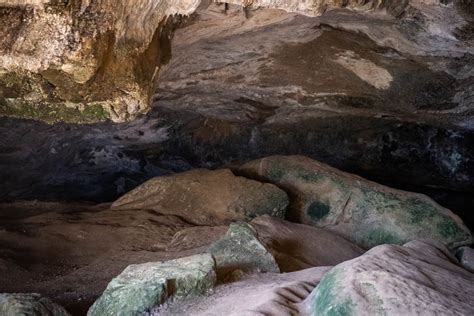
365	212
87	61
29	304
418	278
140	287
240	249
83	61
204	197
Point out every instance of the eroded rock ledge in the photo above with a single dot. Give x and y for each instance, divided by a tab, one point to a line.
86	61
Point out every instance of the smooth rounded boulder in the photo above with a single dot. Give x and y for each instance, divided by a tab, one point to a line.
362	211
419	278
205	197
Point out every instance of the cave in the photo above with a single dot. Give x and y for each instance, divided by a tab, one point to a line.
242	157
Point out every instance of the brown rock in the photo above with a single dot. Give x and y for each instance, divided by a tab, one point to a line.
297	246
204	197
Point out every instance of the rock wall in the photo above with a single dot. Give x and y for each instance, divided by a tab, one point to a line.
83	60
87	61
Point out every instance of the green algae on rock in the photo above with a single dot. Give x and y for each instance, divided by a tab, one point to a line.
365	212
417	278
240	249
141	287
205	197
29	304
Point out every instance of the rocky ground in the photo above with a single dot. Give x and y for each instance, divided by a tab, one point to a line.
388	99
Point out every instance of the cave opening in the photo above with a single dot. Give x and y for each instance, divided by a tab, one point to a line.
254	111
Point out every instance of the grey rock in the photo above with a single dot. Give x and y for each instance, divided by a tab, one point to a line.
465	256
240	249
141	287
29	305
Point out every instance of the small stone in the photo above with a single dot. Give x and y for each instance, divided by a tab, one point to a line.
465	256
241	249
141	287
29	305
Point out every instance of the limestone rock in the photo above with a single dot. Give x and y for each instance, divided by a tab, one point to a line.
140	287
297	246
419	278
204	197
365	212
240	249
29	305
465	256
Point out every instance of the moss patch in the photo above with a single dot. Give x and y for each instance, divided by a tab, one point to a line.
325	298
53	113
419	210
380	236
318	210
448	229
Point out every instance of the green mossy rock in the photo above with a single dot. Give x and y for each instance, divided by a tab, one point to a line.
365	212
140	287
240	249
29	305
419	278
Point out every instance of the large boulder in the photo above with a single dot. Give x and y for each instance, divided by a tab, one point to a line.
240	249
140	287
419	278
365	212
205	197
29	305
298	246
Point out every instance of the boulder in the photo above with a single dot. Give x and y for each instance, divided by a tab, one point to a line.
204	197
465	256
29	305
362	211
140	287
297	246
419	278
240	249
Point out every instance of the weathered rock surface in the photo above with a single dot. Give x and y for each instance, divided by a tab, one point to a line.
140	287
29	305
240	249
465	256
87	61
365	212
205	197
420	277
70	252
297	247
255	295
